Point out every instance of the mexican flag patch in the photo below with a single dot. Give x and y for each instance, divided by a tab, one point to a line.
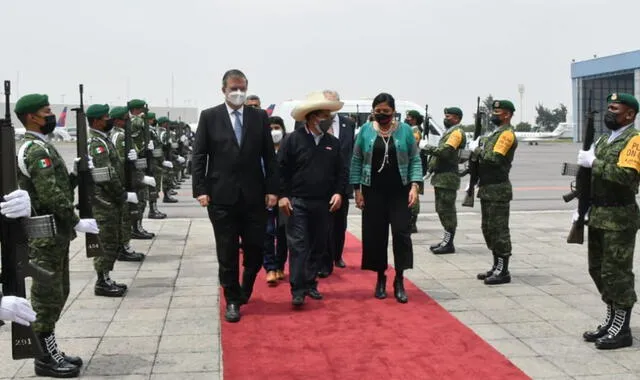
44	163
99	150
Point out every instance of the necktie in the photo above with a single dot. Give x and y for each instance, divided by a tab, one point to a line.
237	127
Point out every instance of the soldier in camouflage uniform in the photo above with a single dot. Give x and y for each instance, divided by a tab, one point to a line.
43	174
137	109
167	166
445	179
120	116
154	213
495	192
415	120
614	219
110	199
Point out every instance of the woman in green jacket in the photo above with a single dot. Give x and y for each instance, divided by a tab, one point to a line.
386	172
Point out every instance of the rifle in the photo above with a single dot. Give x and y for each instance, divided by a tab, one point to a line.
130	168
148	153
85	181
424	157
15	234
581	187
474	164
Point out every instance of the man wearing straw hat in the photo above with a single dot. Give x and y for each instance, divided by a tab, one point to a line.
312	177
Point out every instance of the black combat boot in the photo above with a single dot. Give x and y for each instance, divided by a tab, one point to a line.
108	278
126	253
154	213
151	234
619	333
381	286
173	192
53	363
441	243
414	226
446	246
168	198
501	274
601	330
248	280
106	288
483	275
137	233
398	288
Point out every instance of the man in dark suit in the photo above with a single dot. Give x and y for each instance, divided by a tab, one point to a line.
344	129
232	142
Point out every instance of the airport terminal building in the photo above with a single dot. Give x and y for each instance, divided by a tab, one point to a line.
602	76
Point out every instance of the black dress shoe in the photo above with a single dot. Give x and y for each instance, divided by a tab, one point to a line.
315	294
297	301
398	290
232	314
381	285
323	274
340	263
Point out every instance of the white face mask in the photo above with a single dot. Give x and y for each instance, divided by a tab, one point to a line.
276	134
236	98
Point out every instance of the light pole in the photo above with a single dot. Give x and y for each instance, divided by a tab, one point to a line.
521	91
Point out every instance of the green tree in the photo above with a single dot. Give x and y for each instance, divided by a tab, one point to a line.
523	127
549	119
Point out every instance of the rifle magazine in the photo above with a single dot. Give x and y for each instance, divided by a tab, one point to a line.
24	343
570	169
157	153
101	175
40	227
141	163
464	156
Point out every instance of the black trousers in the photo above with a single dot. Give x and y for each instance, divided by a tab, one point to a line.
230	223
335	237
307	239
381	209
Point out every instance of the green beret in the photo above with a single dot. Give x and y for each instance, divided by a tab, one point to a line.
118	112
163	119
453	111
626	99
504	105
149	116
414	114
31	103
97	111
136	103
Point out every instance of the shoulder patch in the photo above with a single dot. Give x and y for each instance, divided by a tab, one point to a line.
504	143
44	163
630	156
455	138
99	150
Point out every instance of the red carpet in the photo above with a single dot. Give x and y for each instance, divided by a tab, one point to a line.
353	336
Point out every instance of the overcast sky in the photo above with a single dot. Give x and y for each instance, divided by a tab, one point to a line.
442	53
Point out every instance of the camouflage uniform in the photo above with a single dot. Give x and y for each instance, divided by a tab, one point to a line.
614	217
495	194
137	133
445	179
165	140
43	174
117	138
415	209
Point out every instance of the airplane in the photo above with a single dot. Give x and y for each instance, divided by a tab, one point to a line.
270	109
563	130
59	133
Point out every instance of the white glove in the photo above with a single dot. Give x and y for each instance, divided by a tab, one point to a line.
16	309
423	144
586	157
88	226
167	164
149	181
184	139
181	160
17	204
132	198
150	146
473	144
132	155
575	215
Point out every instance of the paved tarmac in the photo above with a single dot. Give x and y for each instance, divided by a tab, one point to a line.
168	325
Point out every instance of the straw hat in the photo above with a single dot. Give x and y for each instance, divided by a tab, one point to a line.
314	102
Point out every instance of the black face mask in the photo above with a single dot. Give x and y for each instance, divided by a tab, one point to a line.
495	120
447	123
49	124
610	120
383	119
324	125
154	124
109	125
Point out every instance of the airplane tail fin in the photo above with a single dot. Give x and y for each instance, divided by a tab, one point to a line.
270	109
62	120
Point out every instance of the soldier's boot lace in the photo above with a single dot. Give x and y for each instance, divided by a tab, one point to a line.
105	287
501	274
108	279
447	244
438	244
136	233
619	333
145	232
601	330
483	275
154	213
126	253
53	363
